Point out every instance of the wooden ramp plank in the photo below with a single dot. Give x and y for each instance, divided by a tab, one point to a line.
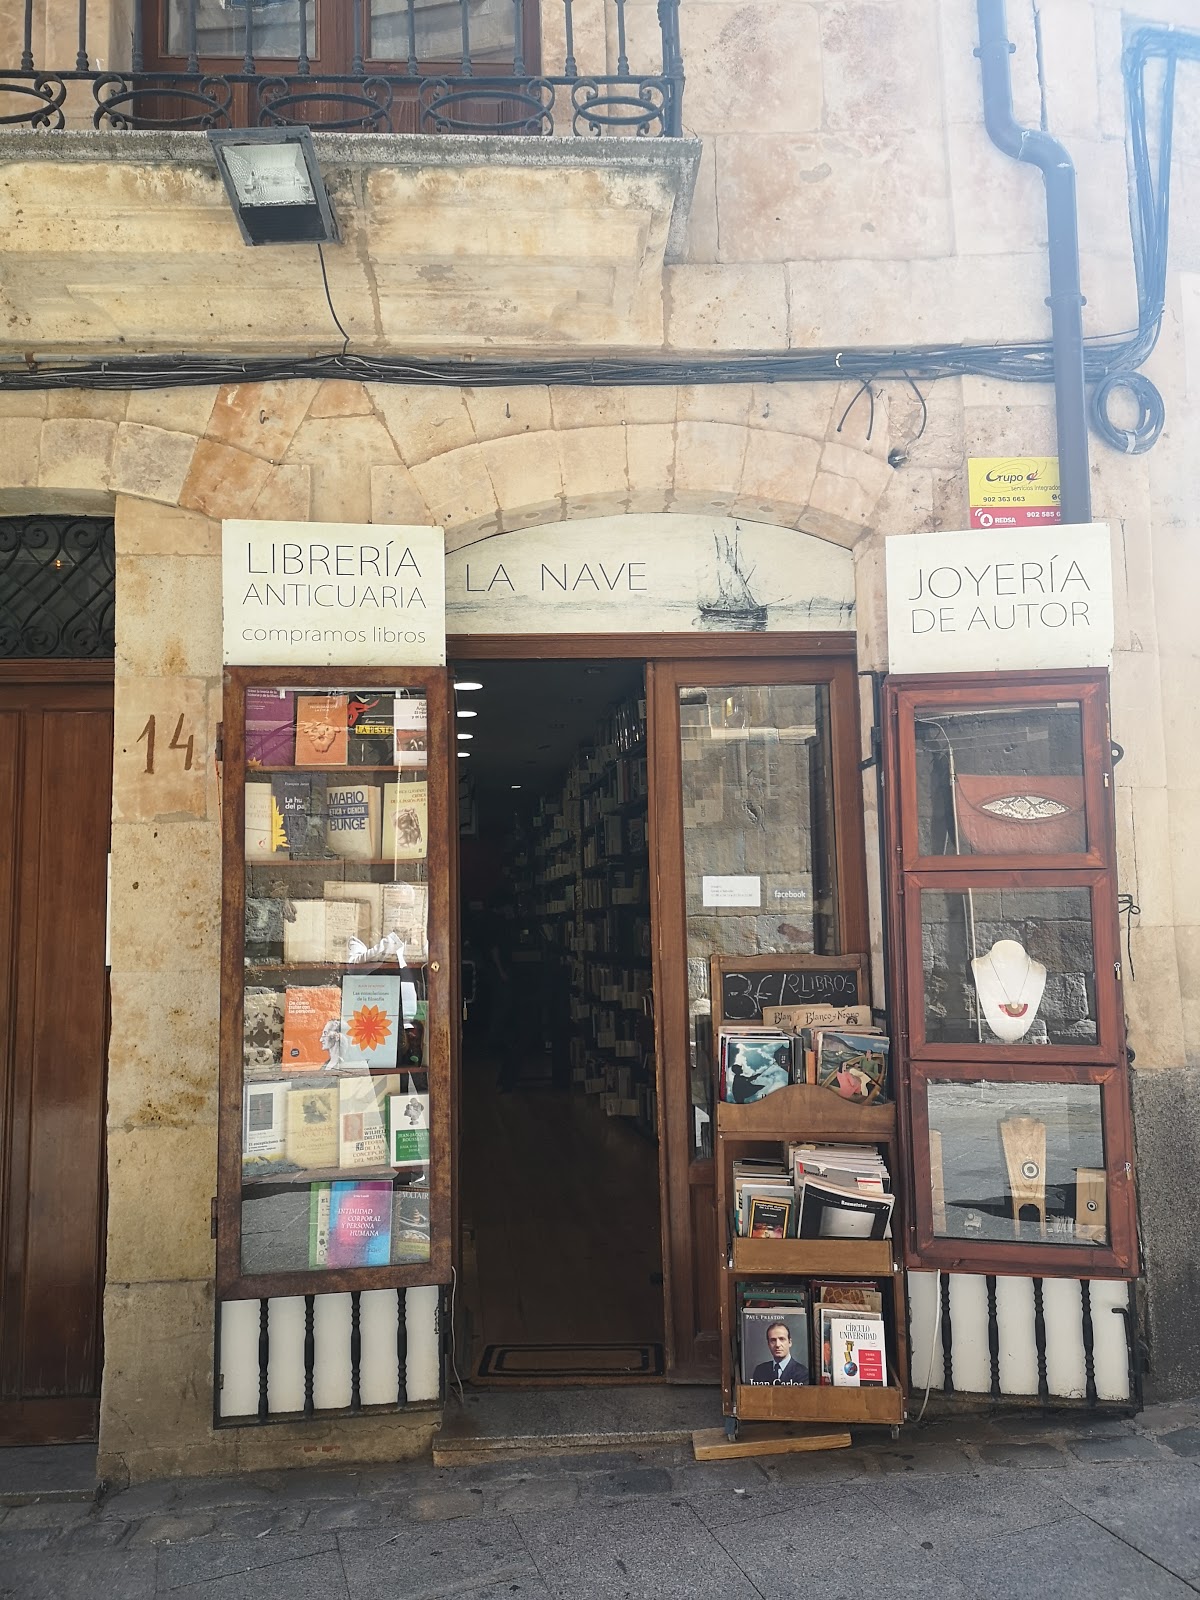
766	1439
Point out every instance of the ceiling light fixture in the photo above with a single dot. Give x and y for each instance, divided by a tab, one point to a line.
466	735
466	713
274	184
465	684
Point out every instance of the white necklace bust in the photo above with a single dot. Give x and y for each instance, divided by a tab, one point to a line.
1010	985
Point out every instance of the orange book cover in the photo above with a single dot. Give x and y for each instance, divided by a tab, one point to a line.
312	1022
322	730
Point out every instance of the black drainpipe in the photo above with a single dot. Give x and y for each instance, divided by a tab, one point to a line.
1062	219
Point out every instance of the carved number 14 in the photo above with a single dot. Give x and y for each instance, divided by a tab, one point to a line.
188	748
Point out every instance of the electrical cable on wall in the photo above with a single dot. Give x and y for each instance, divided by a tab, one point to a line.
1106	358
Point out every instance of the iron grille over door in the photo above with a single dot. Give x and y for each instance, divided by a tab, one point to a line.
57	588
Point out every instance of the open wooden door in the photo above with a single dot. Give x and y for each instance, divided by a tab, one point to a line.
756	841
56	741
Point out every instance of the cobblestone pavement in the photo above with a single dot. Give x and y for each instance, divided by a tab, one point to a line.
1023	1507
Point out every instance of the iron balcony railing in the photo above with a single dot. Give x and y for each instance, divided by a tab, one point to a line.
392	66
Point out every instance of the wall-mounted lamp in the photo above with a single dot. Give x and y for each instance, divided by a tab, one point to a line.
274	184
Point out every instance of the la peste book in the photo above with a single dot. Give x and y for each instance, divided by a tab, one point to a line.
264	1121
362	1135
312	1021
270	727
408	1130
371	1020
312	1125
371	728
859	1352
411	731
299	799
360	1224
406	821
322	732
353	821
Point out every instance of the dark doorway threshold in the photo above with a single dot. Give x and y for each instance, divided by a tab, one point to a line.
491	1424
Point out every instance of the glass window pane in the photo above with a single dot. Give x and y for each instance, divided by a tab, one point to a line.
1017	1161
336	1142
757	841
1009	966
1000	780
221	28
432	30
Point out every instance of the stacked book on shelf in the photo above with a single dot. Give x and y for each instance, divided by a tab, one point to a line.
815	1332
753	1059
813	1192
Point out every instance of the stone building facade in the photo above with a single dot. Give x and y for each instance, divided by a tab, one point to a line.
835	189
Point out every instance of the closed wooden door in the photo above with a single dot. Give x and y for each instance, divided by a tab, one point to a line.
754	784
55	796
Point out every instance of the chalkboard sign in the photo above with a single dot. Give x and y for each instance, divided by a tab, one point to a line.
742	986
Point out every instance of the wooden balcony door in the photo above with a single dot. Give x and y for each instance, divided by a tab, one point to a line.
753	778
55	795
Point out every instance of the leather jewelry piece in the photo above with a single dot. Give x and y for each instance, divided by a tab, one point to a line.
1005	816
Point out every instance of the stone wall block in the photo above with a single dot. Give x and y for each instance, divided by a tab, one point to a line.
92	405
162	1060
180	410
708	465
803	408
524	469
75	453
339	397
358	1439
849	484
1011	430
341	451
146	529
157	1395
1137	720
593	462
586	407
22	450
775	49
1180	708
261	418
1067	33
396	498
1187	947
906	504
456	487
287	495
222	481
23	403
169	619
960	84
423	420
1183	821
1166	1115
497	413
859	52
951	500
651	462
703	236
166	897
714	402
985	185
168	780
151	463
1153	1000
778	471
651	402
1174	598
1144	867
731	307
160	1183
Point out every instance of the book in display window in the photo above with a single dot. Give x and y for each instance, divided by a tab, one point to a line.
334	1171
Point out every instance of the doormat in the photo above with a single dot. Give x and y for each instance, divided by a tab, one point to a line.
571	1363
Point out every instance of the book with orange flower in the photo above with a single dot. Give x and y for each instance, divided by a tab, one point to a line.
371	1026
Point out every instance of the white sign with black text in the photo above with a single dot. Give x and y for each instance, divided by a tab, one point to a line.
999	601
323	594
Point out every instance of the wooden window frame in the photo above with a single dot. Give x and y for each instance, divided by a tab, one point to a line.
917	1062
232	1282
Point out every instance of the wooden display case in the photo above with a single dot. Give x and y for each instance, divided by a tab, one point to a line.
336	982
803	1111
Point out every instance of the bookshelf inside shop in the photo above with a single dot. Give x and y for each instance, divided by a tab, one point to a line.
335	1107
581	864
827	1312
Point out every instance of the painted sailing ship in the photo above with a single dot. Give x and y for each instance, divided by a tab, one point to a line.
733	605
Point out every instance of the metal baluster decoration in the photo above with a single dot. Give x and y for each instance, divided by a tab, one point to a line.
139	49
518	39
622	57
464	13
81	60
412	38
264	1357
355	1350
27	48
570	70
310	1351
1039	1339
302	62
993	1335
248	56
401	1347
672	67
947	1337
193	59
356	66
1089	1344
